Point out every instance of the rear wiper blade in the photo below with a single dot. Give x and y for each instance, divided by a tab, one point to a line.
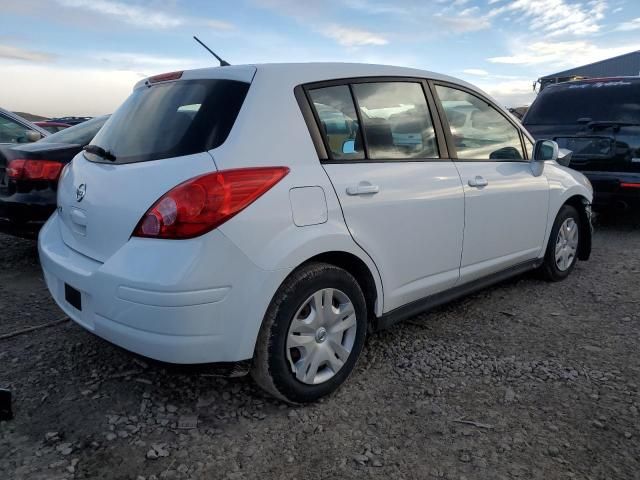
101	152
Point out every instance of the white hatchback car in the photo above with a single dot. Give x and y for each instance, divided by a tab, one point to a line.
273	215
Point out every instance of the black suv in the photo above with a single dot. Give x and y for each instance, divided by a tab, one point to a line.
599	120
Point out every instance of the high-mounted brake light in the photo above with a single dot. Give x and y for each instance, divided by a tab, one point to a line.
165	77
21	169
203	203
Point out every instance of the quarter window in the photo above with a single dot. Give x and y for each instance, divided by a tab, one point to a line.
479	131
339	122
396	120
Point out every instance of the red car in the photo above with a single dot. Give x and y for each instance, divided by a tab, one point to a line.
52	127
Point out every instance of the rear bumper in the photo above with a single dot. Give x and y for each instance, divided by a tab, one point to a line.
608	191
194	301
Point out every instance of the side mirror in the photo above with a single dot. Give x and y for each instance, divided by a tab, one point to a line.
32	135
349	146
544	150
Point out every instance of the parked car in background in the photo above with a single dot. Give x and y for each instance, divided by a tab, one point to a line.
51	126
272	215
599	120
29	177
71	120
15	129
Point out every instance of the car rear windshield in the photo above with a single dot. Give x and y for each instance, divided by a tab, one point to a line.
615	100
80	134
170	120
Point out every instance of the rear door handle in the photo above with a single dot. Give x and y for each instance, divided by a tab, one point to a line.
478	182
363	188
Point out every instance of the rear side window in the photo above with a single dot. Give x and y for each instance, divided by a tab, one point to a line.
375	121
396	120
616	101
170	120
478	130
12	131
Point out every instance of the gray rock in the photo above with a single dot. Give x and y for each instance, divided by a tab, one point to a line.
361	459
509	395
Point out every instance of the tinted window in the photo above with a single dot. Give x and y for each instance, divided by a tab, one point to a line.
80	134
12	131
396	120
600	101
171	119
339	122
479	131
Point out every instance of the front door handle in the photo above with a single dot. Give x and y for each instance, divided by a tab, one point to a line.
363	188
478	182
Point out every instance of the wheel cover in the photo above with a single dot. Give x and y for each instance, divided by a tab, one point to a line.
567	244
321	336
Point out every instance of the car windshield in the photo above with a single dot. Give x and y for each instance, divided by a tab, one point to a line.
170	120
615	101
80	134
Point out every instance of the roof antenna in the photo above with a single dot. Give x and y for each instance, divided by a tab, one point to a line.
223	63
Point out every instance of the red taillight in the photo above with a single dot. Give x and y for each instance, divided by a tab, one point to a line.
205	202
629	185
165	77
21	169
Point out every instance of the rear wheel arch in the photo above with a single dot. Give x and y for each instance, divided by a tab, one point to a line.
359	270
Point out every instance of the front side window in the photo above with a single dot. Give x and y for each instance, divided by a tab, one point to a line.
396	120
338	121
479	131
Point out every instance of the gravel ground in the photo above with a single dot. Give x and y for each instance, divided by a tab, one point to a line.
526	380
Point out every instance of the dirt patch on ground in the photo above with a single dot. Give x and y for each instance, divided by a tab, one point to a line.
527	380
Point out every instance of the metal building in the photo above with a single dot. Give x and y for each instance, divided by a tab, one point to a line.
627	65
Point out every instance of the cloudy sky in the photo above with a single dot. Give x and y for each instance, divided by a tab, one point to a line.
82	57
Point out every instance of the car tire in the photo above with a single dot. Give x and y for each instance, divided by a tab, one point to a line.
305	350
562	249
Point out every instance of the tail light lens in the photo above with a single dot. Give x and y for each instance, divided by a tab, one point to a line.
629	185
203	203
21	169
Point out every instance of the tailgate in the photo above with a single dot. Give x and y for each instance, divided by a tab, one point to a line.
100	204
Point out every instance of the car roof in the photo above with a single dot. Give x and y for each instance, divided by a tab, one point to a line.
293	74
583	81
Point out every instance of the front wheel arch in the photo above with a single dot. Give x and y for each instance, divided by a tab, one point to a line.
583	206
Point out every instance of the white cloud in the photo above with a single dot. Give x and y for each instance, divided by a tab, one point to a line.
476	71
629	26
59	90
148	17
560	54
463	23
557	17
18	53
510	93
142	62
352	37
